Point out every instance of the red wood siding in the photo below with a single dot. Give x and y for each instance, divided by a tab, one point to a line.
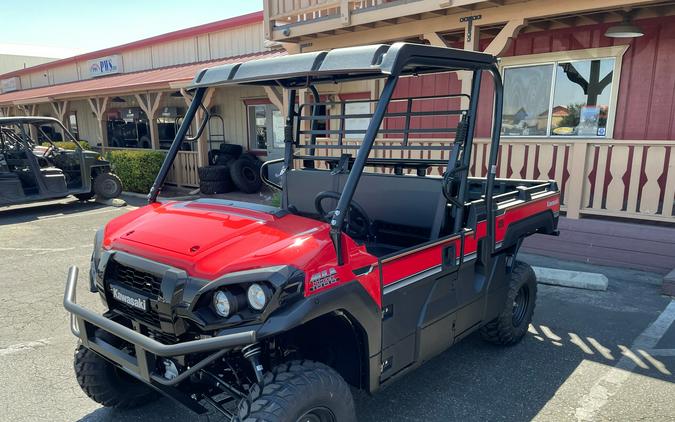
646	101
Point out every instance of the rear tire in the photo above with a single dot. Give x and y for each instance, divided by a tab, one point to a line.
512	323
108	385
299	391
107	186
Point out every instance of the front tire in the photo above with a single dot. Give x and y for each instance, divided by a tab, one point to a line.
302	391
108	385
512	323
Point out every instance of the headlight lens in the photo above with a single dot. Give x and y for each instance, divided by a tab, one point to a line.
223	303
257	296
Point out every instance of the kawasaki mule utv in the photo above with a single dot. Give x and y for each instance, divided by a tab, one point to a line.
34	168
369	268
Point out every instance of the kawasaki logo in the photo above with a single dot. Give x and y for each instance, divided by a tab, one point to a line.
136	302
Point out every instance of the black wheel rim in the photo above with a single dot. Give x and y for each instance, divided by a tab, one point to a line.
318	414
520	305
109	187
249	174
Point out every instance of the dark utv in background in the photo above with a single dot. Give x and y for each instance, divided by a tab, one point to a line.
33	170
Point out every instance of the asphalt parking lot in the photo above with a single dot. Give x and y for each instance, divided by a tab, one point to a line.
589	355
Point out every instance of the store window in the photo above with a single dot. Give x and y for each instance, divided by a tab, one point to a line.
72	124
358	124
128	128
564	98
265	127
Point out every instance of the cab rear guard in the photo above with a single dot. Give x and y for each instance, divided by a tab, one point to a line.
84	321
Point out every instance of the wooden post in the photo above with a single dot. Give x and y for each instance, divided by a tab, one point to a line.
99	106
61	110
505	36
575	188
150	105
202	141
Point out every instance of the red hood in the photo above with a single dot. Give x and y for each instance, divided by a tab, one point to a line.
210	239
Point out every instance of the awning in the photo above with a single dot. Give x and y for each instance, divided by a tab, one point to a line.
173	77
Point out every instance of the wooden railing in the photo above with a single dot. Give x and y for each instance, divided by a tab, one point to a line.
184	170
630	179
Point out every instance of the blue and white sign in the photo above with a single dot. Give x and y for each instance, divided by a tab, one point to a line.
105	66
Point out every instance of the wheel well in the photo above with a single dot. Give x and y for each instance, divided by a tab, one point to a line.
336	340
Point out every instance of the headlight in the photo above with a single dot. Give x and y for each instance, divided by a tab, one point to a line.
224	303
257	296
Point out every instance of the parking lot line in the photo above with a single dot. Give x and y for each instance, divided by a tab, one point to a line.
611	382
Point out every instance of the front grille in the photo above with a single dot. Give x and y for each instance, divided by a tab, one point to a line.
151	317
139	281
134	279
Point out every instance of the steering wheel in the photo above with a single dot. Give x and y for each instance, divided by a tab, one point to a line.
357	222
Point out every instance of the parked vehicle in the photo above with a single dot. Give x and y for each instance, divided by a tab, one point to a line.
34	171
122	134
265	313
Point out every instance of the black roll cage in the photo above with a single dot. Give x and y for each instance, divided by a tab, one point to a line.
406	62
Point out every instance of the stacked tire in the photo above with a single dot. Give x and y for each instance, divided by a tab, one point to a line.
215	179
230	169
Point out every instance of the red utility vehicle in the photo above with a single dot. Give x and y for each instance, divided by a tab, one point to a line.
266	313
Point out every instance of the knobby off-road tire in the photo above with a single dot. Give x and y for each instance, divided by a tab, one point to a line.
108	385
512	323
296	391
246	175
107	186
213	173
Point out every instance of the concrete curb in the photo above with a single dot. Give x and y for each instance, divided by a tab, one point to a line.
575	279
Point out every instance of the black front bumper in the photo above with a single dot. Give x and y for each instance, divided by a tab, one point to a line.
85	323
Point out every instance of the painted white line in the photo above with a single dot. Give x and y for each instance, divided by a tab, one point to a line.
661	352
611	382
24	347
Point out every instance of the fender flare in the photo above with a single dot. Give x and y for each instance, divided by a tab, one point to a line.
543	222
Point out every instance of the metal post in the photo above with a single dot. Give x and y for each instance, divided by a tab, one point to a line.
468	145
359	163
175	146
494	149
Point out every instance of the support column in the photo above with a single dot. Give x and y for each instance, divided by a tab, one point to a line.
505	36
61	110
99	106
150	105
202	142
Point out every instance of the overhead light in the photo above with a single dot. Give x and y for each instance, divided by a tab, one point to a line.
118	100
625	29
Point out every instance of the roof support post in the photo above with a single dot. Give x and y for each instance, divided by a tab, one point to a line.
99	106
149	103
471	38
275	98
202	142
60	108
5	111
435	39
505	36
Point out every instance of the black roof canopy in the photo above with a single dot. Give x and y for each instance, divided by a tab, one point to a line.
341	64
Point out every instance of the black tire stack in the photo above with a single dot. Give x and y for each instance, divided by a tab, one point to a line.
230	169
